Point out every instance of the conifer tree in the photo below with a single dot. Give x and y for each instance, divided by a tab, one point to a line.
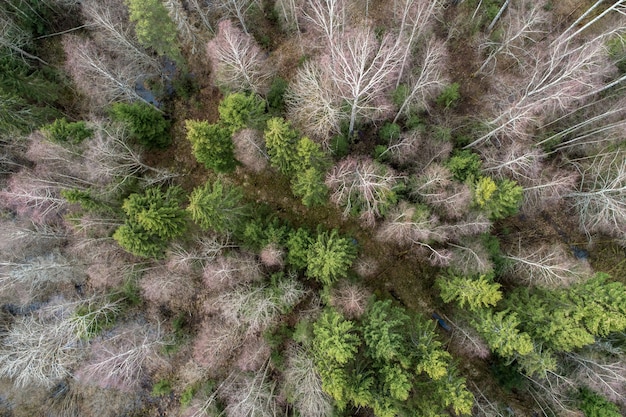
146	124
476	293
501	331
217	206
281	141
212	145
240	110
329	257
154	27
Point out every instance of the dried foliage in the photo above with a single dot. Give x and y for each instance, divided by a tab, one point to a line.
215	344
162	287
251	395
229	271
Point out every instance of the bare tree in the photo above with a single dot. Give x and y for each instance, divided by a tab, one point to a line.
561	76
304	386
239	9
121	360
569	34
101	78
163	287
328	18
254	354
350	299
524	26
469	257
415	18
288	10
186	31
606	375
41	349
436	187
39	276
251	395
428	82
229	271
549	189
311	104
362	69
514	160
363	186
204	12
112	30
601	198
250	149
256	307
216	343
544	266
237	60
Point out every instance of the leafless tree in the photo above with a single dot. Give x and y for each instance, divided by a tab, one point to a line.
250	149
204	12
362	185
289	12
436	188
311	104
204	250
515	161
255	307
239	9
111	29
101	78
350	299
31	197
121	360
40	349
469	257
601	198
362	69
549	189
524	25
304	385
14	38
569	34
328	17
428	81
229	271
163	287
215	344
186	31
272	256
544	266
110	159
415	18
251	395
237	60
606	375
417	149
37	277
467	340
254	354
561	75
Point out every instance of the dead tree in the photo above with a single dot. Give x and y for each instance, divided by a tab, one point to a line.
515	161
601	197
522	27
311	103
101	78
561	77
428	82
363	186
544	266
237	60
186	31
328	17
362	69
239	9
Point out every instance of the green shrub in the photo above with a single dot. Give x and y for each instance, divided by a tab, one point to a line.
450	96
61	131
161	388
187	395
465	165
594	405
389	132
276	96
146	124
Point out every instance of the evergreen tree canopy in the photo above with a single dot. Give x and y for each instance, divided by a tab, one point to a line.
154	27
281	141
476	293
330	257
146	124
217	206
212	145
240	110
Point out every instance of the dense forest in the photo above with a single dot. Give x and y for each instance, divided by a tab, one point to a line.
313	208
